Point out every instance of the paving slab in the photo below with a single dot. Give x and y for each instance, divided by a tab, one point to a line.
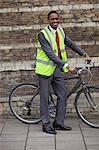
14	127
12	145
41	143
92	147
13	138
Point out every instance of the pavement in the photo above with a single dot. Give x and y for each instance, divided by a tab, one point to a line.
15	135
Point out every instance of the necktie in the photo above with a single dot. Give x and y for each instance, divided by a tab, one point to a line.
58	43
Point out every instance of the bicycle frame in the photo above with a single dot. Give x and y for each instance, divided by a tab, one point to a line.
76	86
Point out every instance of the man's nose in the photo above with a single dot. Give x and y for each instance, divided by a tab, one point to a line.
55	20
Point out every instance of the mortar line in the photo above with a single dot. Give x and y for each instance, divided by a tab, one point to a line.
55	141
3	127
83	137
26	138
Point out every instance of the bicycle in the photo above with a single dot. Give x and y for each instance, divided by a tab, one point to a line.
25	105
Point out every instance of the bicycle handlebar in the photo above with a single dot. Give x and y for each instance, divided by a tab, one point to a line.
86	68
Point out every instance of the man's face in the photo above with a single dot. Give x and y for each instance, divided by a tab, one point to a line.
54	20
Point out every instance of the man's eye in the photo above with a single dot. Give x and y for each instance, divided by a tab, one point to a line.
54	19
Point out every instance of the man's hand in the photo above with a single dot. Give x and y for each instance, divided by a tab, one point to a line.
87	57
72	69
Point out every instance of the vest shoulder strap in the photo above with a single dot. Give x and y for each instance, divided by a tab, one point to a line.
62	31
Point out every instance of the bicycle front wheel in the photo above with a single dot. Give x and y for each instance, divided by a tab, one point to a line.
87	106
24	103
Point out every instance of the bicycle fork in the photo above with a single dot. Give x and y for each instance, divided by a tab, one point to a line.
89	98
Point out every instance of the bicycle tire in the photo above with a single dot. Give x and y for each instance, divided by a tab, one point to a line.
20	103
84	108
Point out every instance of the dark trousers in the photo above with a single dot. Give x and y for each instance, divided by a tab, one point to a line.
57	82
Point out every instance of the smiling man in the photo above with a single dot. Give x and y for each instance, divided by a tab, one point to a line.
51	64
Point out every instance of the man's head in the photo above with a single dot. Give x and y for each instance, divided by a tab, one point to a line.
53	18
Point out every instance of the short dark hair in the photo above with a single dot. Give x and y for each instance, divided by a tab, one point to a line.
51	12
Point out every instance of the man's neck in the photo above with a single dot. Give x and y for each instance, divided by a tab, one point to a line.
52	29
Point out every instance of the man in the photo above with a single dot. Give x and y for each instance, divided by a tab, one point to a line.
51	64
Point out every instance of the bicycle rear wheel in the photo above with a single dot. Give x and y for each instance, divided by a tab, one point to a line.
87	106
24	103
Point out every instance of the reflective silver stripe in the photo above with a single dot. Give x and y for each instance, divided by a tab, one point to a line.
48	36
45	62
40	48
65	61
54	51
62	50
63	35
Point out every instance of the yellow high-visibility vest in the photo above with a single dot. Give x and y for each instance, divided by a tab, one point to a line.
44	65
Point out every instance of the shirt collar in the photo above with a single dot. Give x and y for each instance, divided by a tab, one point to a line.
53	30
